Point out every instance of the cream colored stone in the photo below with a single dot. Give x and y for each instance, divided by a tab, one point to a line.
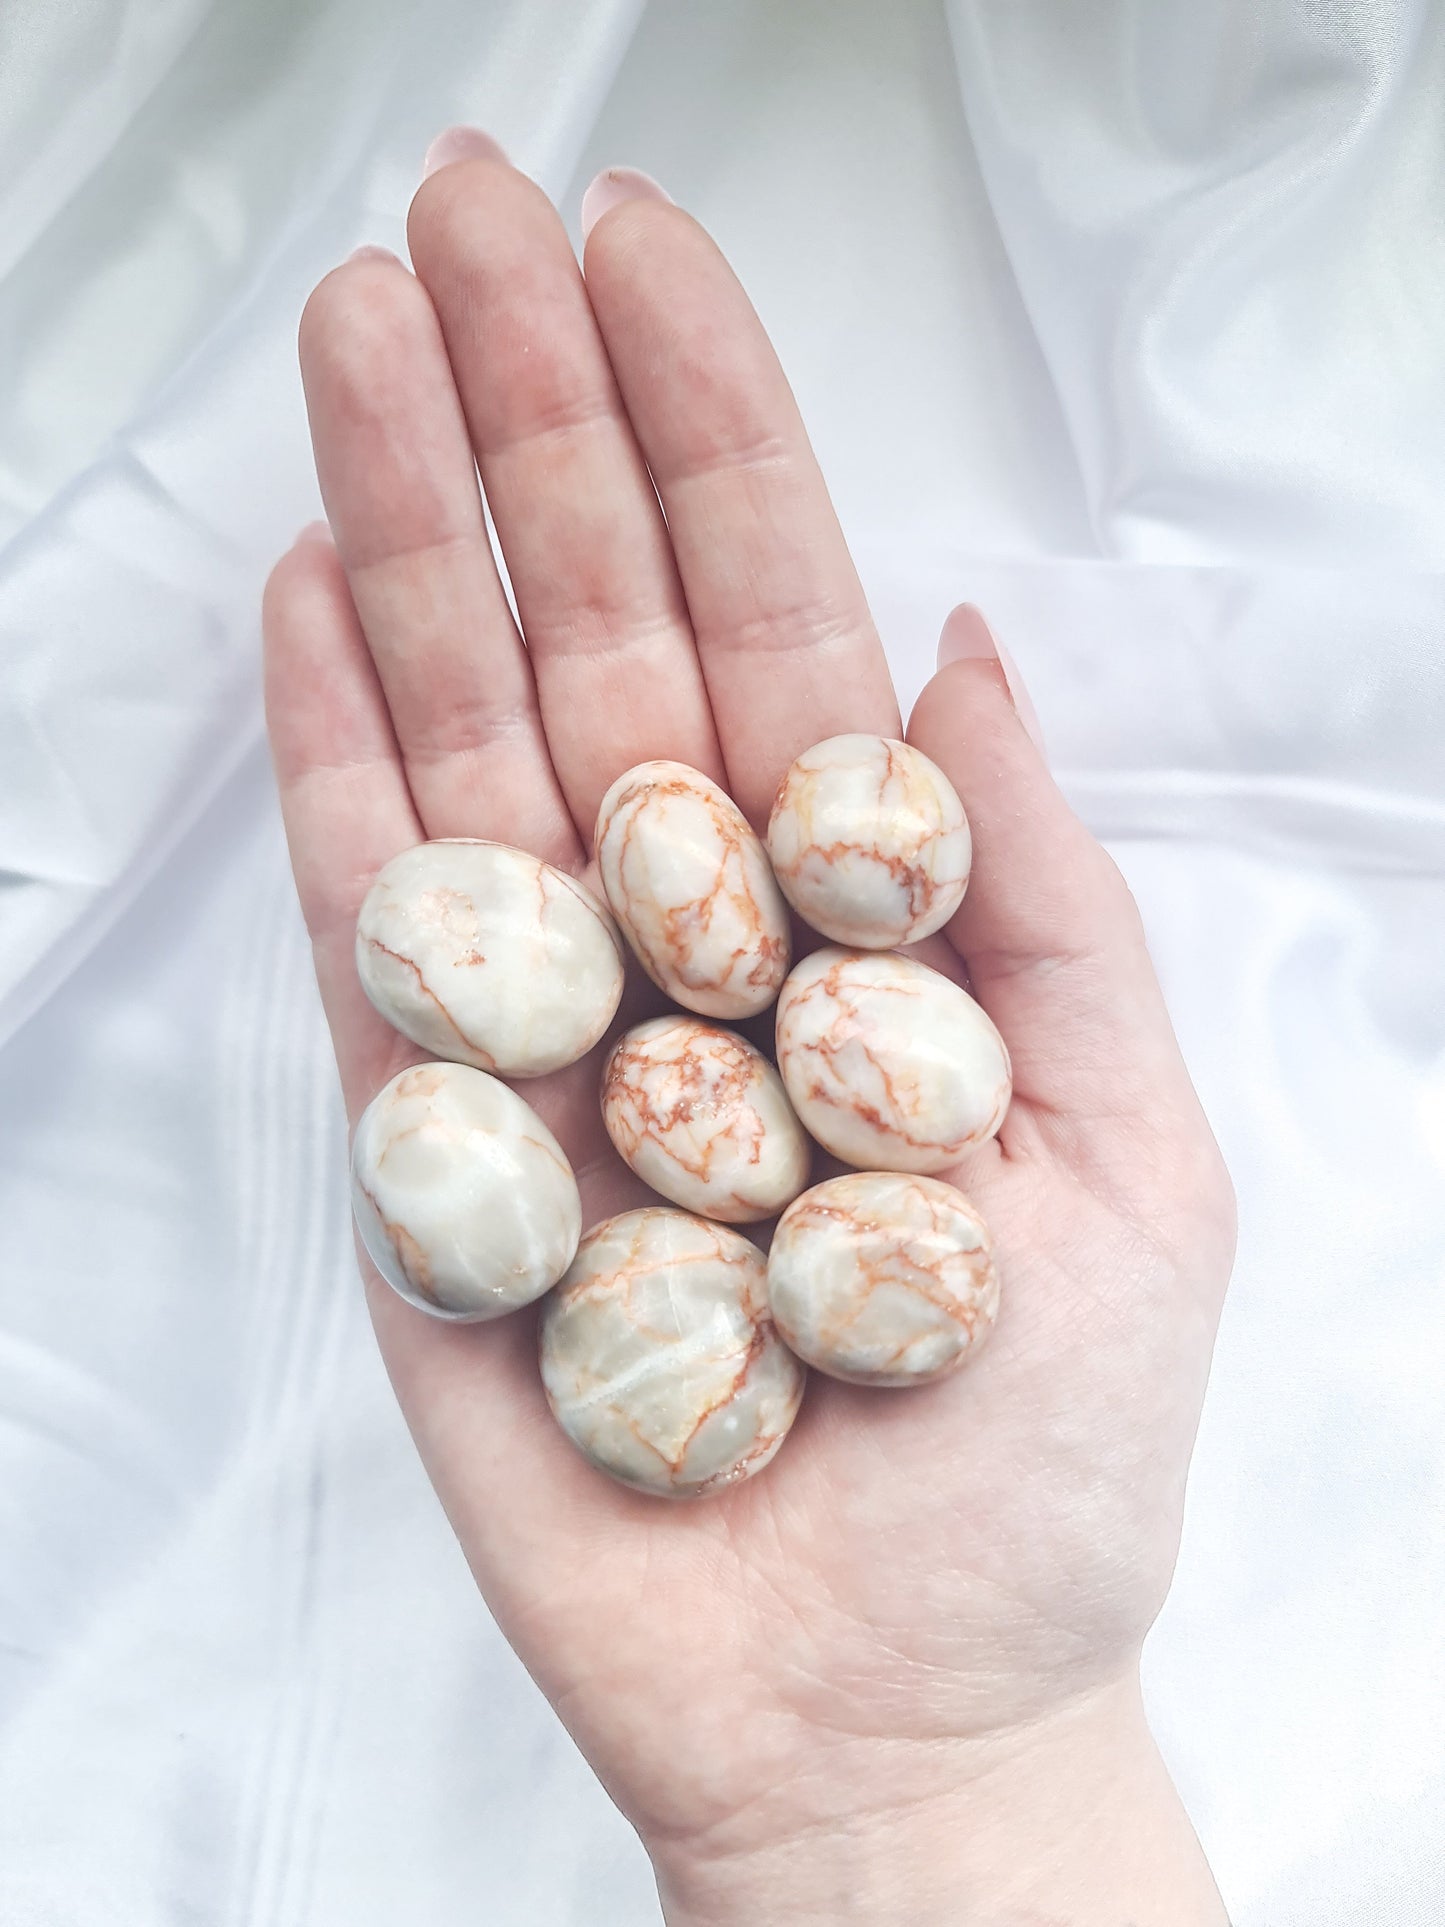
488	956
869	842
463	1197
883	1278
660	1360
690	884
889	1065
702	1117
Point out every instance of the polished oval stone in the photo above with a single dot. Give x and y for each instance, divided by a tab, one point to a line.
660	1360
883	1278
702	1117
488	956
463	1197
890	1066
689	881
869	842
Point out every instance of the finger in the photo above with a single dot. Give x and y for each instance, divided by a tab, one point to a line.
584	539
347	811
1052	937
400	487
344	798
472	1395
783	629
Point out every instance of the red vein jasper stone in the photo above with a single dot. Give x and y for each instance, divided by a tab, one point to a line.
883	1279
869	842
659	1357
890	1066
488	956
702	1117
689	881
463	1197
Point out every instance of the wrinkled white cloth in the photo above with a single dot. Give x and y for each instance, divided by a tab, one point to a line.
1121	321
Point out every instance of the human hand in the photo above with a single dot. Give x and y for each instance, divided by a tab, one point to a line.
896	1676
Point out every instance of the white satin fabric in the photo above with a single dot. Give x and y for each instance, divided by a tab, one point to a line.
1123	321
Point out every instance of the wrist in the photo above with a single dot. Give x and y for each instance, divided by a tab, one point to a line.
1071	1821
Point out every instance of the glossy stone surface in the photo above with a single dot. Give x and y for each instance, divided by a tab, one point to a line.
703	1118
488	956
689	881
869	842
660	1360
882	1278
463	1197
890	1066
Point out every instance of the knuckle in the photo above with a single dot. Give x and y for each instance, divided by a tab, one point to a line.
1112	888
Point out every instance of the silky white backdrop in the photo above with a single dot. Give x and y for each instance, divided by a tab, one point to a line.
1121	320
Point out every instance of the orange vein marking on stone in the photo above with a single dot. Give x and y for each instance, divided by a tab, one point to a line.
375	943
415	1265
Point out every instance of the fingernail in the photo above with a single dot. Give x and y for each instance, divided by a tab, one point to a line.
966	637
368	251
612	187
316	532
461	144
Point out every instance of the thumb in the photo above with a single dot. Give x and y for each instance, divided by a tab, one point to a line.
1050	933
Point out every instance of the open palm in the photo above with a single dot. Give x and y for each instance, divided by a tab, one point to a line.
916	1571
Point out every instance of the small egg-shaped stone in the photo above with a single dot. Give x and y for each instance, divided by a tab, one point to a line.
701	1116
463	1197
883	1278
869	842
689	881
659	1357
890	1066
487	956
